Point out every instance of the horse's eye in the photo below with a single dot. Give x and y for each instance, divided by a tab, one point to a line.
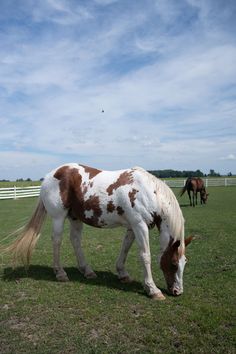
174	265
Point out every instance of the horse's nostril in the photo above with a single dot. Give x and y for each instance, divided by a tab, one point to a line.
176	292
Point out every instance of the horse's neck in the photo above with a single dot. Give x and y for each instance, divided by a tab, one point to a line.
172	224
165	237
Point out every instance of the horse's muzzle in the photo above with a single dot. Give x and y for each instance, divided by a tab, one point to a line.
175	291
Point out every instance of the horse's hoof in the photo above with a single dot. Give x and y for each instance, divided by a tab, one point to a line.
91	275
158	296
126	280
62	278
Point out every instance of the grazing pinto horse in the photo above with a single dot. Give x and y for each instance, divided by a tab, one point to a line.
132	198
195	184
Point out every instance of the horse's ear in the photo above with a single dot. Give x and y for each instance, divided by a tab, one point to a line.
175	245
188	240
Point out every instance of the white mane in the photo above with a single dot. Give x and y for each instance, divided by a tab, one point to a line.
170	206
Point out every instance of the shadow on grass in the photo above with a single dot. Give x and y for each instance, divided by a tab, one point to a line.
104	278
184	205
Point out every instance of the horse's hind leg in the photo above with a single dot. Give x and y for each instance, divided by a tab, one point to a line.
76	228
58	226
189	195
194	198
120	263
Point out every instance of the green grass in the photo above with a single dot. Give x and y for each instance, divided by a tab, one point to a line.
40	315
9	184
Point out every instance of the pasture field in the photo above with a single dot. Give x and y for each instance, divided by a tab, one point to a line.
10	184
41	315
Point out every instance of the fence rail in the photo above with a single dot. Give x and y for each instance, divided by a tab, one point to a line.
19	192
33	191
209	182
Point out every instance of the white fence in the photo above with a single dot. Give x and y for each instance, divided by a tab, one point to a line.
33	191
209	182
19	192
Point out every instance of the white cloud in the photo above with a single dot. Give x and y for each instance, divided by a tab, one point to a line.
229	157
17	164
167	90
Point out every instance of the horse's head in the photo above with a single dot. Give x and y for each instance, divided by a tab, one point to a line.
204	195
172	263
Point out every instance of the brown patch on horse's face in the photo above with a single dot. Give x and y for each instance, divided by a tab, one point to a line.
132	196
91	171
124	178
72	194
170	261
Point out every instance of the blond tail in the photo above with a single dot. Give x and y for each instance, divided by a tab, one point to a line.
22	248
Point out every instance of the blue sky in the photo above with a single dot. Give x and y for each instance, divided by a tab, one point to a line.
163	71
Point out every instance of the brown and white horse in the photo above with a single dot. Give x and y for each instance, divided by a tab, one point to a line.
132	198
195	184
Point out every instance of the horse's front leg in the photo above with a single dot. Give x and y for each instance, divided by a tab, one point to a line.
193	199
201	198
120	263
142	237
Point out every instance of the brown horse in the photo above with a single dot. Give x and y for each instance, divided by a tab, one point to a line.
195	184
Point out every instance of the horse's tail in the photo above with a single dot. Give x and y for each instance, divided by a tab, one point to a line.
22	248
183	190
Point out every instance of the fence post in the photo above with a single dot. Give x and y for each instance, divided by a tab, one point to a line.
14	192
225	182
206	182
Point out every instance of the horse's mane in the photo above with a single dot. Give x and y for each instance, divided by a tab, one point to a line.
171	206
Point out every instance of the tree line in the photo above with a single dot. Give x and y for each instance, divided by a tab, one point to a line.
184	174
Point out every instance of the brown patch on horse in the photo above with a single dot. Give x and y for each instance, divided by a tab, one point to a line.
69	179
157	220
91	171
124	178
120	210
110	207
92	203
132	196
170	260
73	192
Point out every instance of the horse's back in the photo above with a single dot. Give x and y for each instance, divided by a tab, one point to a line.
97	197
200	183
194	183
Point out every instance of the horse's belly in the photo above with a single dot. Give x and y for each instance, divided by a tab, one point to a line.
103	221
